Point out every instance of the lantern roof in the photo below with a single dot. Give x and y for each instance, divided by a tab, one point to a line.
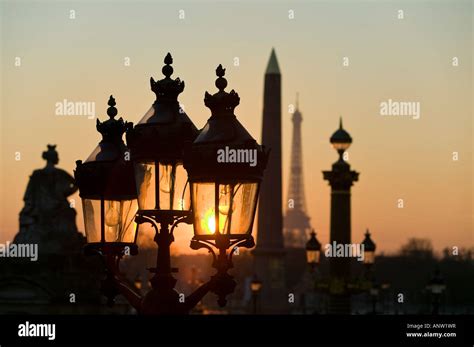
108	172
112	146
224	133
313	243
341	135
369	245
165	130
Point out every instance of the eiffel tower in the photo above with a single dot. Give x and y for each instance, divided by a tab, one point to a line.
296	221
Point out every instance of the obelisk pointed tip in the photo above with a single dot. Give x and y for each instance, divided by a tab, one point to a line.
272	66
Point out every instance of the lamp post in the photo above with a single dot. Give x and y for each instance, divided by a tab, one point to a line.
313	258
369	252
225	167
157	144
340	178
313	251
338	288
384	289
369	260
157	150
255	287
107	189
436	286
374	293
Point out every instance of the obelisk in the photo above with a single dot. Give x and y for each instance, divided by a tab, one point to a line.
269	252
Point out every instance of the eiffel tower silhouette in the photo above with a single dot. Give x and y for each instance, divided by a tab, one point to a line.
296	221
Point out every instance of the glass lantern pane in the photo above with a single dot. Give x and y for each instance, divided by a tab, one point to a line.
145	181
255	286
172	182
119	225
341	146
236	207
312	256
203	208
91	210
174	194
236	204
369	257
119	220
226	207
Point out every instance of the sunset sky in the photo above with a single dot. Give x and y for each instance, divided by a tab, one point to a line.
409	59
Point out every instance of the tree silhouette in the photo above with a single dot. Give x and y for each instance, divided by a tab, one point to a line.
418	248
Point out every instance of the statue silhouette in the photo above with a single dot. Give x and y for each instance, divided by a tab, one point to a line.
47	217
48	221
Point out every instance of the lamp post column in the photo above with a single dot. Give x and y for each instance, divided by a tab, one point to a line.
254	298
340	178
255	287
436	304
436	287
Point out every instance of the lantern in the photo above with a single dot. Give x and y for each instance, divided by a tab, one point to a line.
107	188
436	285
313	250
341	140
225	167
255	285
157	144
369	249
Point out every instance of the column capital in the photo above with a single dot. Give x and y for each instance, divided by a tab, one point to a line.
341	180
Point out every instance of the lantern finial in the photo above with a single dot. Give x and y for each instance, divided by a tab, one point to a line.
167	89
112	129
168	69
221	82
369	245
111	111
221	103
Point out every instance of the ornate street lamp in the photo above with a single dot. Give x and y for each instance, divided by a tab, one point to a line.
369	250
157	145
222	193
436	286
340	178
255	287
313	251
225	167
107	189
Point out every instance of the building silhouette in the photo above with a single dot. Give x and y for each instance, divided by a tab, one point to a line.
296	221
269	252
